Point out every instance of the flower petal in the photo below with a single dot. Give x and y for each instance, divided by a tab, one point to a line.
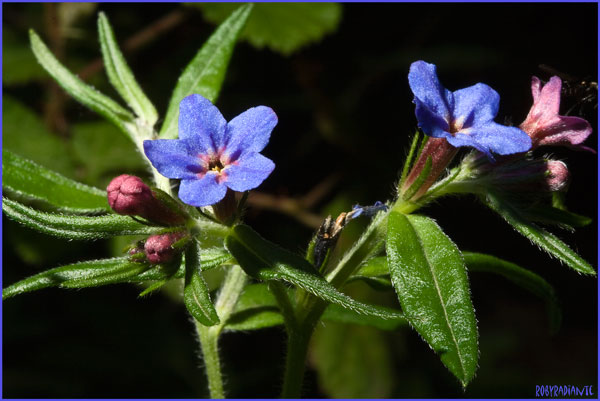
547	103
493	137
250	131
565	130
424	83
475	105
171	157
201	124
202	192
249	172
432	124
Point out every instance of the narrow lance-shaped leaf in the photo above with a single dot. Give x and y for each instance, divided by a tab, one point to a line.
120	75
479	262
430	279
266	261
542	238
91	273
204	75
73	226
82	92
29	180
196	296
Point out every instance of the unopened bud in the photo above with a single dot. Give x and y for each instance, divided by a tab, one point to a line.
159	248
557	176
129	195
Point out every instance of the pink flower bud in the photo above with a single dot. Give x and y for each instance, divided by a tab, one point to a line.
159	248
558	176
543	124
129	195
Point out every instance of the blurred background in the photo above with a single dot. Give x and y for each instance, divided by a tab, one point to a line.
337	77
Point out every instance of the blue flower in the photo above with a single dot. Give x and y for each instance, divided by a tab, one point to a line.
464	117
212	154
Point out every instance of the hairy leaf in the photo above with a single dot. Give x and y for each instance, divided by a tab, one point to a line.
479	262
120	75
204	75
32	181
542	238
430	279
79	275
82	92
266	261
72	226
196	295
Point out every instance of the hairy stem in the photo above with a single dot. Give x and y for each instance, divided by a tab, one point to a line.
232	287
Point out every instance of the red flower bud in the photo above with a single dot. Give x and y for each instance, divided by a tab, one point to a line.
129	195
159	248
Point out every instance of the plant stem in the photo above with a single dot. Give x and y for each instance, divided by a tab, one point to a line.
297	349
231	290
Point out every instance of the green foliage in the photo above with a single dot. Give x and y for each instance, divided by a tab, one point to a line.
91	273
33	182
72	226
103	152
205	73
26	135
196	296
120	74
82	92
257	309
542	238
555	216
266	261
478	262
352	361
430	279
282	27
420	180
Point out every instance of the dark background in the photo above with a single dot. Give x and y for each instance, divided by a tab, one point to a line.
344	107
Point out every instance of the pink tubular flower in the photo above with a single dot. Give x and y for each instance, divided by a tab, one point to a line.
558	176
543	124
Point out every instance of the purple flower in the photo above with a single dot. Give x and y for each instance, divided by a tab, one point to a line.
545	126
212	154
464	117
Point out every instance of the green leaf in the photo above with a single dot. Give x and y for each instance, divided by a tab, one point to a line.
266	261
479	262
82	92
409	157
72	226
430	279
25	134
555	216
542	238
374	267
284	27
204	75
79	275
32	181
335	313
120	75
352	361
196	296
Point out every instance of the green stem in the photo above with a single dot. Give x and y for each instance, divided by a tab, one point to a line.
232	287
297	349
